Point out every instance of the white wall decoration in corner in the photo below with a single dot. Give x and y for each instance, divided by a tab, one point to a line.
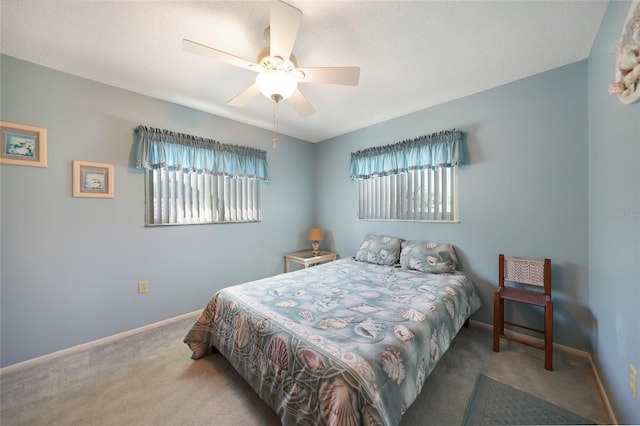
626	52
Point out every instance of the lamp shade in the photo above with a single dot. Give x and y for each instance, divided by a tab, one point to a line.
315	234
275	84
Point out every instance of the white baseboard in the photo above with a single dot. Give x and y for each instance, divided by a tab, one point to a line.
44	358
567	349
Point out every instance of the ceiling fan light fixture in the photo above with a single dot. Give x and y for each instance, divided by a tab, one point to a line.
276	85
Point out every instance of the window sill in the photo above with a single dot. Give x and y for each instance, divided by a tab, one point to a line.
412	220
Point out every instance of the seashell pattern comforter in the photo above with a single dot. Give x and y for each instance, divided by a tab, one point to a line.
343	343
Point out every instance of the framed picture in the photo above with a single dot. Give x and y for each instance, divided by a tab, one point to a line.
92	179
23	145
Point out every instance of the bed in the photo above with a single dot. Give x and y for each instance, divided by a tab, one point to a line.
348	342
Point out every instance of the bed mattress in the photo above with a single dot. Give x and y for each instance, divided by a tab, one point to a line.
343	343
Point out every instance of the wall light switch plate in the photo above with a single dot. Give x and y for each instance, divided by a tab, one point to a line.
143	287
633	380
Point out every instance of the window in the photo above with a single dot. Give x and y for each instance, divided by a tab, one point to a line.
191	180
409	180
185	197
415	195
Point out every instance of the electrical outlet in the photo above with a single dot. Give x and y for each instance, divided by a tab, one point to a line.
143	287
633	380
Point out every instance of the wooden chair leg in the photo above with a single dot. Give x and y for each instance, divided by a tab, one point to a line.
548	336
498	318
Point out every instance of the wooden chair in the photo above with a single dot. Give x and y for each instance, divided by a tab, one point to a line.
523	273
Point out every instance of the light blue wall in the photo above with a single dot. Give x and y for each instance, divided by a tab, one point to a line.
523	191
70	266
614	222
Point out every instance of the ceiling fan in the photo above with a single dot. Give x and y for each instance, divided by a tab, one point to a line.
278	72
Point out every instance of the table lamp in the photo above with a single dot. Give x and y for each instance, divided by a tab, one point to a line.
315	236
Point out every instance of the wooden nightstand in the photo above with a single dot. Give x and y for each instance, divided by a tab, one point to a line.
306	258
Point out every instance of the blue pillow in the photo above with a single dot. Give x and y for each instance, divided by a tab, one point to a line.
435	258
379	249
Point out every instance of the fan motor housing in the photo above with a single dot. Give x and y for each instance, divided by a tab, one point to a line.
269	62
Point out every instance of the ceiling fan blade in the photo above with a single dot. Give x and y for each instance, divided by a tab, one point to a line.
349	76
210	52
245	96
285	21
301	104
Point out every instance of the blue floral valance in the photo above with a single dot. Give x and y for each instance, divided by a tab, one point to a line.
442	149
164	149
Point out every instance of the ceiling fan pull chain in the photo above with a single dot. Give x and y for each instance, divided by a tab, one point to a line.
275	124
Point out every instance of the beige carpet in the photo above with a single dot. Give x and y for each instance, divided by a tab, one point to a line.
149	379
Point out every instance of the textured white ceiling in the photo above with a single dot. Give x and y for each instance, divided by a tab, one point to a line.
412	54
